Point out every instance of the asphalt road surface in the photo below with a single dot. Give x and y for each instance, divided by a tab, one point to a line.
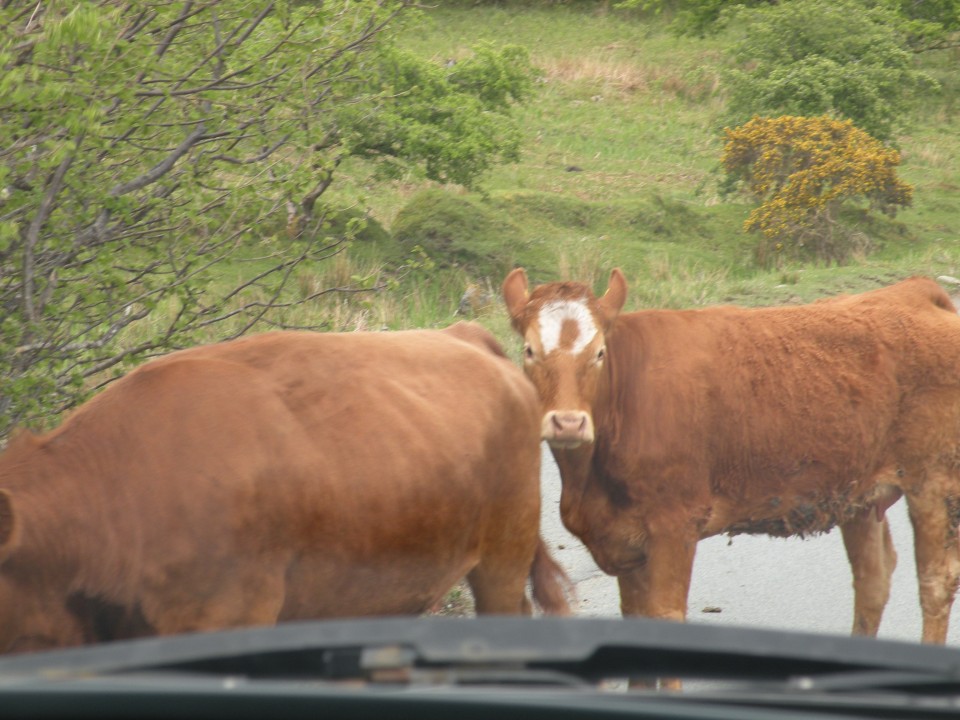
757	581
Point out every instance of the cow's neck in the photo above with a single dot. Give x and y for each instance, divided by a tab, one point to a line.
585	492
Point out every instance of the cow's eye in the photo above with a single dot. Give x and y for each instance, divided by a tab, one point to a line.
527	352
601	354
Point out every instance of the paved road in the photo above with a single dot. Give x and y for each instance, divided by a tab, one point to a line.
758	581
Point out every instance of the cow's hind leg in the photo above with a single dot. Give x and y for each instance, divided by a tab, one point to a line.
933	514
500	588
872	560
499	581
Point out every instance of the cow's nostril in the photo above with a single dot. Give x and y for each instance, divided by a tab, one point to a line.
569	422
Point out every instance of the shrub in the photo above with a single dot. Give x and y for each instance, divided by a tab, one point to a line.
823	57
454	231
802	170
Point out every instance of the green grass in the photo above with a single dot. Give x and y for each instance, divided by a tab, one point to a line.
622	100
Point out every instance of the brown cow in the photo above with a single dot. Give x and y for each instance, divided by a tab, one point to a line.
672	426
284	476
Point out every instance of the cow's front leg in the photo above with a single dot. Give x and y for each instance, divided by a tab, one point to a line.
659	587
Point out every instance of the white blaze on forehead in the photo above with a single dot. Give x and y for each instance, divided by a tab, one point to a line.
552	317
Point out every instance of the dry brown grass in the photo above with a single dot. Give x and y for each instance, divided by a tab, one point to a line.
931	155
609	74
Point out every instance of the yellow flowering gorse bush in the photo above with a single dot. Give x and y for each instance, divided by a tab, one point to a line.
802	169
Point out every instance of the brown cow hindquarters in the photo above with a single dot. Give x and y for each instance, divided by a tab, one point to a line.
416	508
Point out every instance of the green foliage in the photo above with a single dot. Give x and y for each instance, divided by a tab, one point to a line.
930	24
454	119
612	104
925	24
945	13
456	231
815	57
691	17
646	142
355	224
803	170
147	147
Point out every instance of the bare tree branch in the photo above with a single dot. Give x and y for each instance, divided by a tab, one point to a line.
36	225
162	168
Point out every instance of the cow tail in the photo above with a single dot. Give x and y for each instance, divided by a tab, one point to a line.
552	588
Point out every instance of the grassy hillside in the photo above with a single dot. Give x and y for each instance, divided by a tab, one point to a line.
619	168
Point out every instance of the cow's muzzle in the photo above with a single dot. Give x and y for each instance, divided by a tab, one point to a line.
567	429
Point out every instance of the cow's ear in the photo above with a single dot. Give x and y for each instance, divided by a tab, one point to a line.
8	525
612	301
515	294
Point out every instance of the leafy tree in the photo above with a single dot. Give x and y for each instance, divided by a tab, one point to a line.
803	170
691	17
452	117
813	57
926	25
148	149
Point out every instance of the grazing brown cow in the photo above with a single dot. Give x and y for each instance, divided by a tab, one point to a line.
672	426
284	476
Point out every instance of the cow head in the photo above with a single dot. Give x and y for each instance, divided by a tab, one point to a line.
564	330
